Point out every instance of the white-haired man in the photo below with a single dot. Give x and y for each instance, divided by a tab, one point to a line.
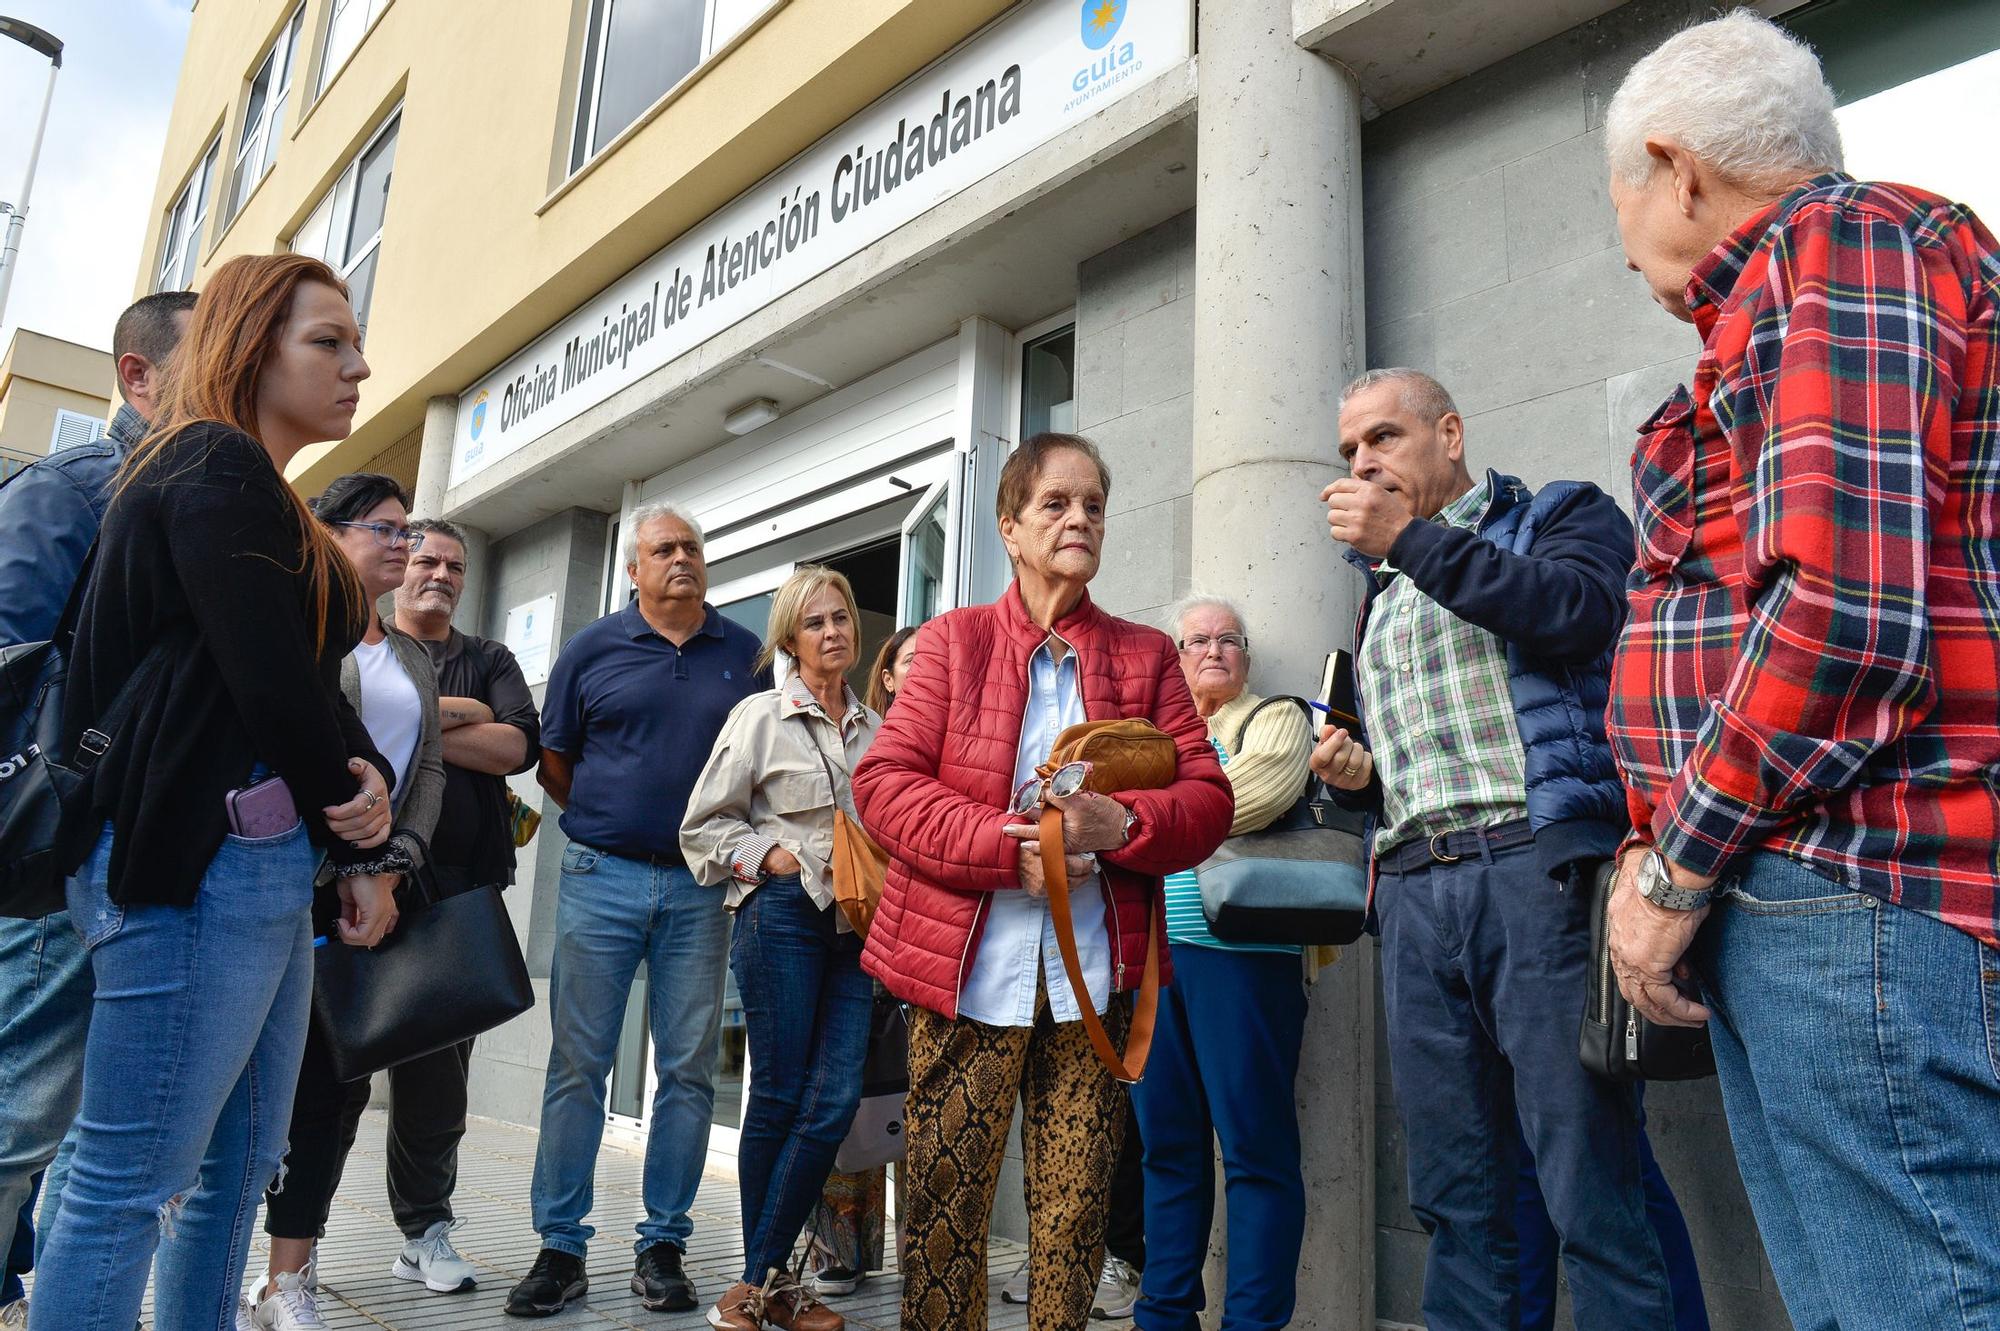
633	707
1805	704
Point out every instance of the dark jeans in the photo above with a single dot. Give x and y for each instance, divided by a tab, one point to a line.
1125	1223
1483	968
1540	1245
806	1005
19	1259
426	1121
1225	1057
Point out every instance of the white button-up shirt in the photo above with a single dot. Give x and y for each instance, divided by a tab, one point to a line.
1018	949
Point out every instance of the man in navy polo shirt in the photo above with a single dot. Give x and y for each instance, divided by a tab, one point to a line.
633	708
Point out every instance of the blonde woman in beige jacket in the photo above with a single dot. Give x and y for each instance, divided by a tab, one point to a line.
760	825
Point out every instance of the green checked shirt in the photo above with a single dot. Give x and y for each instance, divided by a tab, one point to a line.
1440	714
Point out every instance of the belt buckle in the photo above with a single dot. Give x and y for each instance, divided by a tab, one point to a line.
1441	856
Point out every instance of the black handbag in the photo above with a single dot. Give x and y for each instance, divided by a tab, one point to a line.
1303	880
1617	1042
450	969
45	785
877	1136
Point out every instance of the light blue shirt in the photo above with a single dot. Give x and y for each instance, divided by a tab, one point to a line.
1018	949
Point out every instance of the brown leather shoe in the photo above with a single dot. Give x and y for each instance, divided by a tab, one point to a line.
741	1308
790	1306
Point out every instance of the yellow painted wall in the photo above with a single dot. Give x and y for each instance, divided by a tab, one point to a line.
476	258
41	375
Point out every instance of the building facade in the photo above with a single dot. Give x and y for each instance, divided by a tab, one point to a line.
53	394
811	267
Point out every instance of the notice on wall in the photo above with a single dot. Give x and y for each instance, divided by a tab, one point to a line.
1044	67
531	636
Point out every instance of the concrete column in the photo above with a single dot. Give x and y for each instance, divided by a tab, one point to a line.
434	457
1278	331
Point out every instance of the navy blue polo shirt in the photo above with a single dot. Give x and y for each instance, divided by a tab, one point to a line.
638	716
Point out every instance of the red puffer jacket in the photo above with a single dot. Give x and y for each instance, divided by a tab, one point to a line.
935	786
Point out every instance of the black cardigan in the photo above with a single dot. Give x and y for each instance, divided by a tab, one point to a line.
204	552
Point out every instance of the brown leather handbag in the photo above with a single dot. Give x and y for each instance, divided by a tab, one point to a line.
859	865
1120	755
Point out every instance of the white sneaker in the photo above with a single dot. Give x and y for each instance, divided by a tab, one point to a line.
246	1313
434	1261
15	1313
292	1306
1016	1288
1117	1291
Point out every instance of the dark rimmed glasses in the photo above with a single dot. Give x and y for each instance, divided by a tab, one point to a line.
388	533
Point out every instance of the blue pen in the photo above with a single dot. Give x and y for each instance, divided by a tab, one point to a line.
320	941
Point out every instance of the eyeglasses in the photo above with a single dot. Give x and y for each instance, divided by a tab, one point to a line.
388	533
1062	783
1199	644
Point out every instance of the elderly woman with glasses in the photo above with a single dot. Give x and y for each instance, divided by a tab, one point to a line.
965	934
1226	1051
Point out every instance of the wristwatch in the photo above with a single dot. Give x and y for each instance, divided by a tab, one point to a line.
1656	885
1131	825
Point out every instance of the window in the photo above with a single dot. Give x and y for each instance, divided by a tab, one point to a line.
1048	383
346	228
264	115
73	428
636	51
347	22
180	237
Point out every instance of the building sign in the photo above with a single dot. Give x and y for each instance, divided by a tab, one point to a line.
1009	89
531	636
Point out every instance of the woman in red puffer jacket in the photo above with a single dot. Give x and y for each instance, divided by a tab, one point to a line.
964	931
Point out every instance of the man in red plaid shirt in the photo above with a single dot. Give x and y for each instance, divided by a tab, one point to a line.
1805	704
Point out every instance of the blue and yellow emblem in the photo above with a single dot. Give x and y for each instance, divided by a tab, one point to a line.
1100	22
478	416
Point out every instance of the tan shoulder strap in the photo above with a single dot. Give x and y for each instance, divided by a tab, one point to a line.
1139	1037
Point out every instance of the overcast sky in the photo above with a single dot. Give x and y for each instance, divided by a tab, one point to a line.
87	220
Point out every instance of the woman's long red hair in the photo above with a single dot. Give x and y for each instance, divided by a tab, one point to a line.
214	375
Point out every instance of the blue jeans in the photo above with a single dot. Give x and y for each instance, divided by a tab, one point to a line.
1483	967
45	989
1858	1045
194	1047
1540	1244
806	1008
613	914
1225	1058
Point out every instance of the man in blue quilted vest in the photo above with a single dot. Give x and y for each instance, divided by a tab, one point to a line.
1481	660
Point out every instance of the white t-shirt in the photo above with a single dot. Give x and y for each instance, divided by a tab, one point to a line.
390	708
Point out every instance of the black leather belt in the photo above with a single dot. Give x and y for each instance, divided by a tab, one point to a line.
1453	847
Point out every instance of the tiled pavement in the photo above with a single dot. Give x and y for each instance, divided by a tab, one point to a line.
495	1163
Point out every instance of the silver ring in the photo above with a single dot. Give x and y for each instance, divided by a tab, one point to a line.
373	798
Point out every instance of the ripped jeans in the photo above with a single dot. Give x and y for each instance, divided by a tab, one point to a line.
193	1054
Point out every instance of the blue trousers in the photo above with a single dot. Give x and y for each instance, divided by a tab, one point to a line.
1225	1057
1483	969
1540	1245
45	993
806	1007
1858	1048
615	913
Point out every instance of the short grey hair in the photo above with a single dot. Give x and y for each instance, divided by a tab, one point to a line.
1200	601
647	512
1423	396
1739	93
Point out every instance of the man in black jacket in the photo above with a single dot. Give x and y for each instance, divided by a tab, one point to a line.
49	515
1481	659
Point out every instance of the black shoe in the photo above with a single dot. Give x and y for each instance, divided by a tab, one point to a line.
659	1282
555	1281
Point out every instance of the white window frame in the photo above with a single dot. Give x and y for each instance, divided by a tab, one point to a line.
590	85
92	429
180	246
337	205
257	148
944	498
332	62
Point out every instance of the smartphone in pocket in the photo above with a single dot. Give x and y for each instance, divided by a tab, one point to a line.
263	810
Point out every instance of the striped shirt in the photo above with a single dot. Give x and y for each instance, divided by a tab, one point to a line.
1812	665
1440	714
1266	777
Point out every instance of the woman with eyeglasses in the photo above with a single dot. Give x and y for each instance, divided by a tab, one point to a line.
219	611
390	681
964	934
760	824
